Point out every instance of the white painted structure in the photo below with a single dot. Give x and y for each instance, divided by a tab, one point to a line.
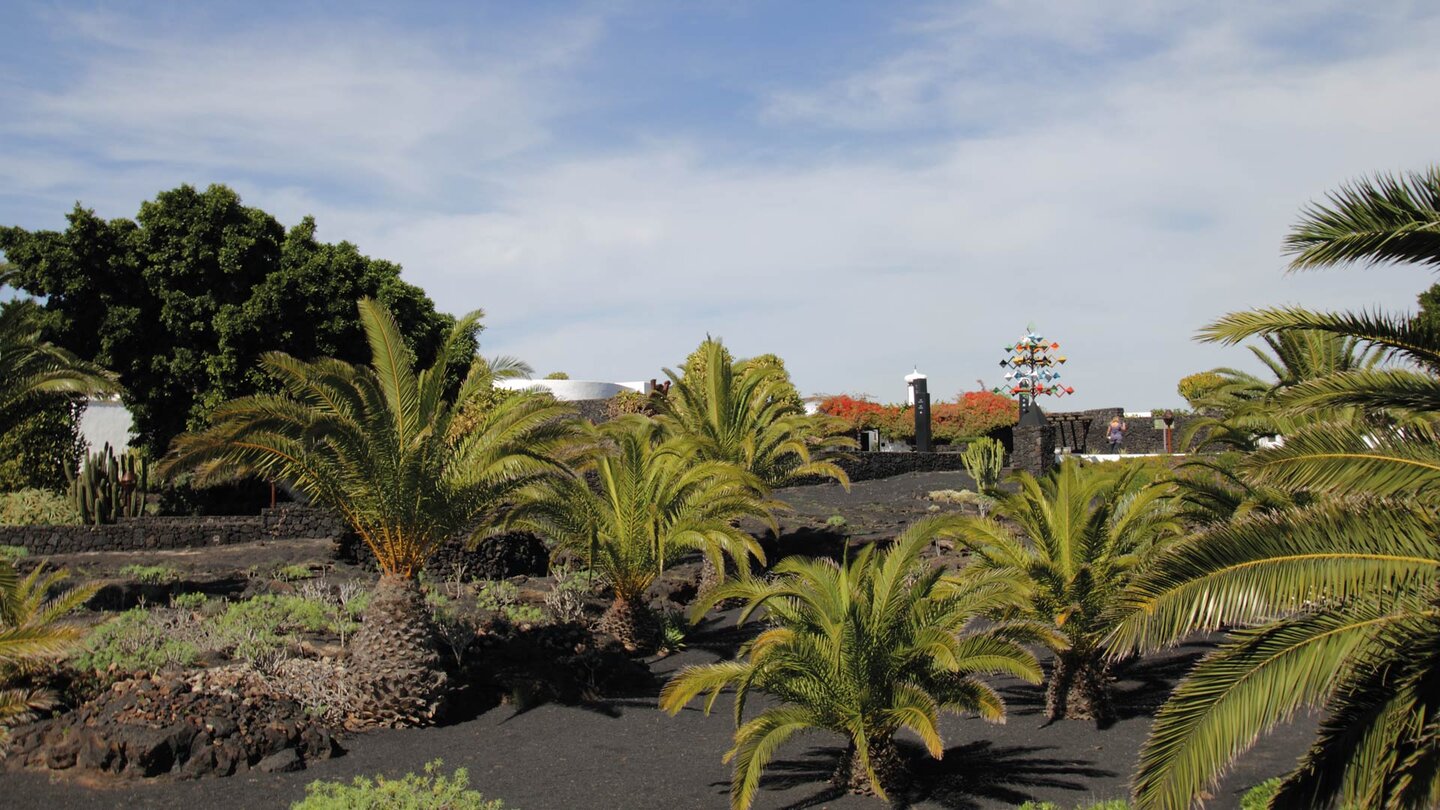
571	390
910	384
106	421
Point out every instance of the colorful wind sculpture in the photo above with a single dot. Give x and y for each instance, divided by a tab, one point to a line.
1033	372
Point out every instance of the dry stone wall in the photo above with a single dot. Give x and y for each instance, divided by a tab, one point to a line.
134	534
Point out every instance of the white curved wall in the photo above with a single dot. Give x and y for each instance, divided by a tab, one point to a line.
568	390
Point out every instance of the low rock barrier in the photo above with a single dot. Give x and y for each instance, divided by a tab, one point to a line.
134	534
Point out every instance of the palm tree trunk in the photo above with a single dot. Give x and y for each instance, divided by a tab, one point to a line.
395	658
889	768
1079	688
631	622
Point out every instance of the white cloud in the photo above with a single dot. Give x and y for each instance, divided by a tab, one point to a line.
1119	210
345	105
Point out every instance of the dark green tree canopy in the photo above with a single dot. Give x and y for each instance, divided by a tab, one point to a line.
182	300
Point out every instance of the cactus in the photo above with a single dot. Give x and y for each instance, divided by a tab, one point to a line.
108	487
983	459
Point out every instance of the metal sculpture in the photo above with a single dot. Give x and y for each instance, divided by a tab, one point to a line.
1033	371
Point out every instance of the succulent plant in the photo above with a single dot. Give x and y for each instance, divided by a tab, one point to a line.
108	487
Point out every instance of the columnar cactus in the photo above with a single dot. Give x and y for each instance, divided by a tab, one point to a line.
109	487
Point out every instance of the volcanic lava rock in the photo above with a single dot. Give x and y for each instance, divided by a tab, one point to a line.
164	724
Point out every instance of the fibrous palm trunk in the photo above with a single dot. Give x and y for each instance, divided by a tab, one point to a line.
395	658
1079	688
632	623
885	759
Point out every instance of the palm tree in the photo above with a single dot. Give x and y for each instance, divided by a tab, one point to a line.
1237	411
649	503
31	633
1338	601
864	649
31	367
747	414
403	463
1068	544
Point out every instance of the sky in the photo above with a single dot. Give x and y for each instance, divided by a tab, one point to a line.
860	188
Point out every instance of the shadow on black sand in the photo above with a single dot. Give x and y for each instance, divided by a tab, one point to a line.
968	777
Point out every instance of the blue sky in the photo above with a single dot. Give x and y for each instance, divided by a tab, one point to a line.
858	187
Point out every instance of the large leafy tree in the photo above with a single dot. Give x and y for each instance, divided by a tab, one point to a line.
642	503
405	463
1068	544
1340	599
865	649
182	300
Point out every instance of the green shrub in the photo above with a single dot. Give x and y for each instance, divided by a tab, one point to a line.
13	554
674	629
1196	388
835	521
37	507
279	614
150	574
254	631
433	791
1258	797
628	402
504	598
189	601
40	442
292	573
137	640
557	375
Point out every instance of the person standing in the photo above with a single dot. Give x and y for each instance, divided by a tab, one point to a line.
1116	434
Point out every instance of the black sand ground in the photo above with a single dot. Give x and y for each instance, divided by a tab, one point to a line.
625	753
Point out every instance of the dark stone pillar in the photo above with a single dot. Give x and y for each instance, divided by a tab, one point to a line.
1034	443
922	417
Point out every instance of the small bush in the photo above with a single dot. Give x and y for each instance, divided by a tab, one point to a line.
293	573
278	614
150	574
13	554
674	629
137	640
37	507
254	631
955	497
1258	797
566	601
189	601
628	402
433	791
835	521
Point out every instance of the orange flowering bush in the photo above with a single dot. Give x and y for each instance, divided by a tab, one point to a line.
973	413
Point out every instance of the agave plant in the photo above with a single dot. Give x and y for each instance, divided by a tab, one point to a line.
31	632
407	466
1069	544
1339	601
862	649
649	504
